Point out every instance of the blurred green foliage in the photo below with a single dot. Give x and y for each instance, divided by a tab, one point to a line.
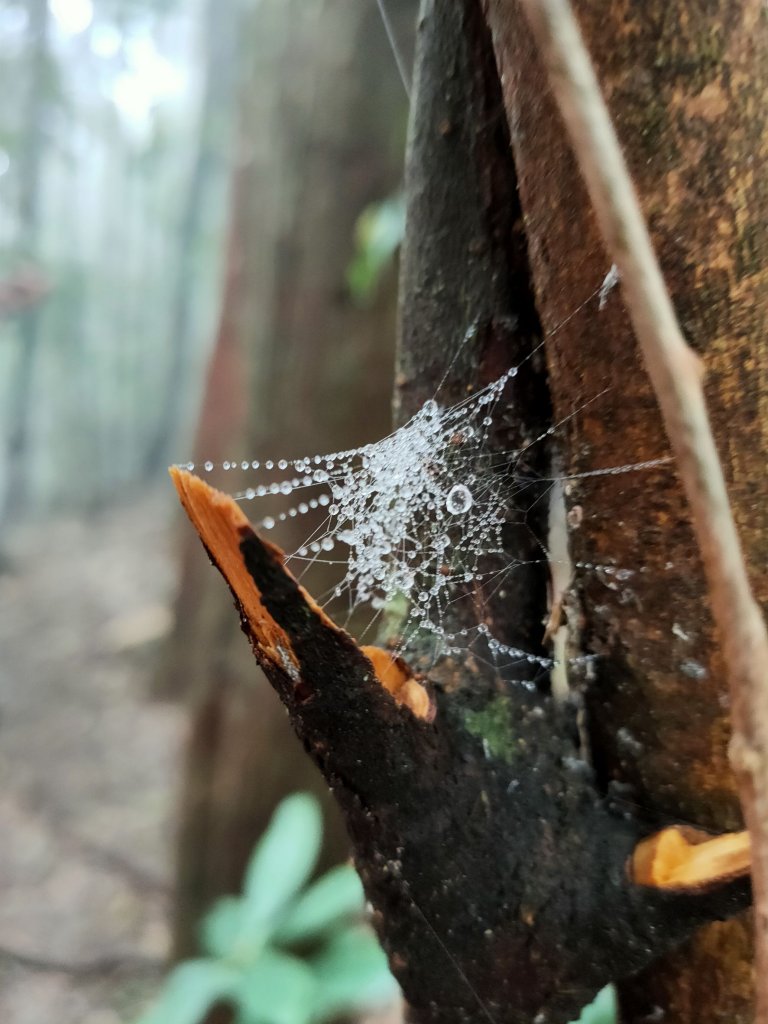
282	953
378	233
602	1010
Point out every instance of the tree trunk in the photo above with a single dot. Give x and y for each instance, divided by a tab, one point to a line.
298	366
29	178
683	85
220	32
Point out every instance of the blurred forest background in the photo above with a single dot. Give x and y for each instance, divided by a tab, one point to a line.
198	211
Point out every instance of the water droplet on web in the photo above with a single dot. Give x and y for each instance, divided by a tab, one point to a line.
459	500
208	466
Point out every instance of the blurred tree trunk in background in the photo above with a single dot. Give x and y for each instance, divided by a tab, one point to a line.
299	368
38	88
221	24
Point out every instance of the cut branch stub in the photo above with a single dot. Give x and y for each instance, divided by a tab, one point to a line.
498	875
687	858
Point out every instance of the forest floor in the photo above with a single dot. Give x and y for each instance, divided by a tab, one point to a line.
88	764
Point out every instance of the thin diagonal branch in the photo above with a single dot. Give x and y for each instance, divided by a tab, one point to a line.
675	373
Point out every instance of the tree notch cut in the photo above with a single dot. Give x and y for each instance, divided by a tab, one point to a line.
223	527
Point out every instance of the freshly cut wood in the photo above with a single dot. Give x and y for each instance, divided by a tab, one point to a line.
222	527
687	858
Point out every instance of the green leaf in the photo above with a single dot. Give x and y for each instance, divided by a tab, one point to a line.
190	992
602	1010
279	866
277	989
352	972
379	231
335	896
221	926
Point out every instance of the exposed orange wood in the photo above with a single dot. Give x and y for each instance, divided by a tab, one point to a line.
686	858
222	525
396	677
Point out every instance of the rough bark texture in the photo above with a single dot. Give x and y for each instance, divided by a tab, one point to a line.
321	137
683	84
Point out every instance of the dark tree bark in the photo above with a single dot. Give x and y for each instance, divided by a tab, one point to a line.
499	877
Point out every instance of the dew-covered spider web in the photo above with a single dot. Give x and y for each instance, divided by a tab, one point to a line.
415	521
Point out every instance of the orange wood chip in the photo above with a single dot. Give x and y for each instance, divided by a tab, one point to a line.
396	677
686	858
221	525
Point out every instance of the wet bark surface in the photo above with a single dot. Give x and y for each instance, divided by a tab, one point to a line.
682	85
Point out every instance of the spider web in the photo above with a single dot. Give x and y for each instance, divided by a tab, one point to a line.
415	521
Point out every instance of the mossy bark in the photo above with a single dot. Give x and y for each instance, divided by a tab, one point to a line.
685	84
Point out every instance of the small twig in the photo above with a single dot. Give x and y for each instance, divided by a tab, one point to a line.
675	373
